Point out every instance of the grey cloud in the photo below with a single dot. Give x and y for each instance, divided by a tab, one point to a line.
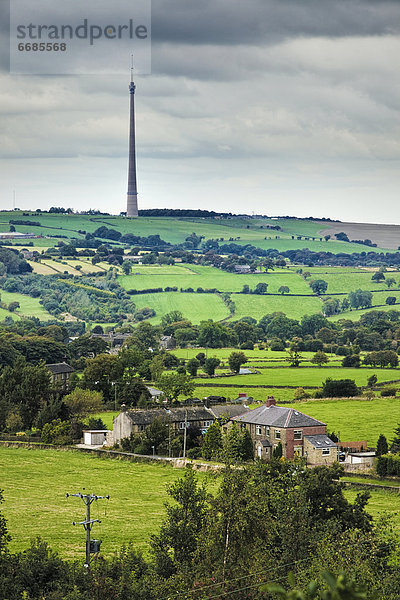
268	21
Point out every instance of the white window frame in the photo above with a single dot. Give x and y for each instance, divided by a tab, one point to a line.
207	423
258	430
277	434
326	451
298	450
298	431
267	430
182	425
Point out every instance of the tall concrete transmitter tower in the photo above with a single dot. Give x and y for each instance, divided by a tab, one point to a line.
132	204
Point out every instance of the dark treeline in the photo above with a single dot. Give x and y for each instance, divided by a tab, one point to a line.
260	524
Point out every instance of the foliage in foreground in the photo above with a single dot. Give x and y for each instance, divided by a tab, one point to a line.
263	523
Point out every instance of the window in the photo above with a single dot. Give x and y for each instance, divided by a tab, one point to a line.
277	434
298	451
207	423
182	425
298	434
258	430
326	451
267	430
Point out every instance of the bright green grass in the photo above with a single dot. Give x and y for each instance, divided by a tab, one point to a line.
354	315
258	306
30	307
381	502
355	419
210	277
35	483
347	282
307	376
231	393
195	307
175	230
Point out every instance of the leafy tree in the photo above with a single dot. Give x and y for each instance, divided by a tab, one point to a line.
261	288
127	267
390	300
395	442
283	289
4	535
157	366
339	388
57	432
210	365
26	387
246	332
372	380
352	360
360	299
100	372
378	276
331	306
172	317
13	306
212	444
381	445
192	366
233	443
320	358
201	357
339	588
215	335
390	281
236	360
247	446
176	544
82	403
176	384
300	394
318	286
310	324
277	452
245	289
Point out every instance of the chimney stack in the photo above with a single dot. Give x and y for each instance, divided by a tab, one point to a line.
270	401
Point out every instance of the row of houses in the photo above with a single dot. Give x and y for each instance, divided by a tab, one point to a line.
269	425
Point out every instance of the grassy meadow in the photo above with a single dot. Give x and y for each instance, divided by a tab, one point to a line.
35	483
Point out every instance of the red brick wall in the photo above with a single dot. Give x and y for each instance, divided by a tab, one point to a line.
288	451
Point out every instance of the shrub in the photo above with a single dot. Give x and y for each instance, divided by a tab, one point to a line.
388	391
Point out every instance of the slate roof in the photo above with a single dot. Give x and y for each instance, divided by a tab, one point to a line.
175	415
57	368
228	410
278	416
320	441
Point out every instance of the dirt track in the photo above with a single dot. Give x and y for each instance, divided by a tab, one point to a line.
385	236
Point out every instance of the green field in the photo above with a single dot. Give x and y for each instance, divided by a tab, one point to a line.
355	419
30	307
195	307
35	483
306	376
175	230
209	277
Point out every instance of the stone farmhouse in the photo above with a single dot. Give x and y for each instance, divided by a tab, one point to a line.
60	374
136	421
299	434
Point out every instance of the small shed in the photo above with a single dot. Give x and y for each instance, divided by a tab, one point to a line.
95	437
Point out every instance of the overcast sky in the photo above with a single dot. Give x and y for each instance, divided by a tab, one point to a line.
285	107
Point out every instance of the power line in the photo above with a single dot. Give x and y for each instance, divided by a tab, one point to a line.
92	546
